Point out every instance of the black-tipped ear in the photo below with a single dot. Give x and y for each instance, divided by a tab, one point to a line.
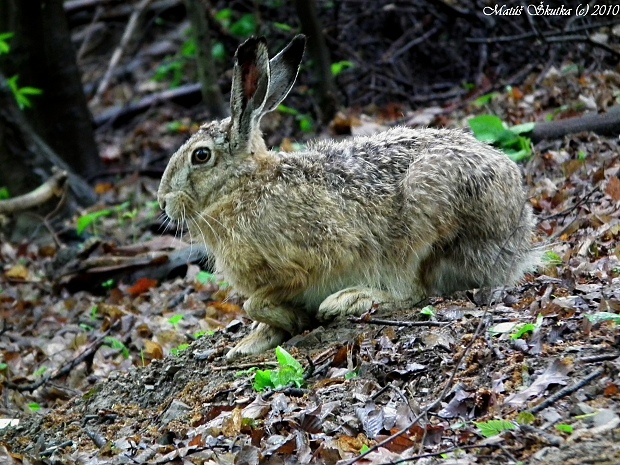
283	71
249	86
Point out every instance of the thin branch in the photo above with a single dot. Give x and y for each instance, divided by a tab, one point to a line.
118	53
54	186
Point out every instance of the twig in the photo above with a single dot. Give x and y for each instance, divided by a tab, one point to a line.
568	390
88	352
379	321
116	56
598	358
54	186
147	102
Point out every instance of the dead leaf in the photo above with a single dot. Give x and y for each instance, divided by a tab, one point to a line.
613	188
142	286
17	273
556	373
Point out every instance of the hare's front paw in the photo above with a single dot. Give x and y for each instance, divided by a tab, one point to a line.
352	301
263	337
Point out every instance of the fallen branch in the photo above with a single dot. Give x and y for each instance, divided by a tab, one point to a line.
600	123
116	56
53	187
131	110
567	391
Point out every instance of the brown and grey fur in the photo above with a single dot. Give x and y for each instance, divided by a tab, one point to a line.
307	236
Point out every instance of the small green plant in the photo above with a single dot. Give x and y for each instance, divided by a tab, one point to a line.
249	371
115	344
428	311
289	373
525	418
199	334
306	124
4	42
94	312
4	193
174	320
494	427
340	66
601	317
491	129
90	219
485	99
177	350
22	93
364	449
109	284
551	258
40	372
527	328
204	277
562	428
3	366
34	407
582	155
87	328
351	374
242	28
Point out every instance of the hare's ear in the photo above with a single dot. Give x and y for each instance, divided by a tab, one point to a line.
250	84
283	72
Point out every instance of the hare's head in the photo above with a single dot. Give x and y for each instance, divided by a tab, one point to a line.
199	169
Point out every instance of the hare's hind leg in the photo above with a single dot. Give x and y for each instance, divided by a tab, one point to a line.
276	323
354	301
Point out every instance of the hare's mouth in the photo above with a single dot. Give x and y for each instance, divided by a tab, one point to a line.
177	205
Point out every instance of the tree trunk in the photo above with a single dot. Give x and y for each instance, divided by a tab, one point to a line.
207	74
317	49
25	160
43	56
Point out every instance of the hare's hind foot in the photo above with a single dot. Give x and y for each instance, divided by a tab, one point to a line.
263	337
354	301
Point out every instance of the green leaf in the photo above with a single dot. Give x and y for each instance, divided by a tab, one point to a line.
564	428
4	193
30	91
245	26
224	15
4	46
204	277
34	407
3	366
600	317
522	128
286	359
525	418
551	258
287	110
218	51
177	350
340	66
494	427
188	49
483	100
364	449
174	320
306	124
282	26
523	330
428	311
116	345
40	372
262	380
487	128
85	221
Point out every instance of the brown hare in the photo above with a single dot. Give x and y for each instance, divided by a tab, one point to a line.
308	236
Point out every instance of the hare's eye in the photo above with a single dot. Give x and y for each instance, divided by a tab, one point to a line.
201	155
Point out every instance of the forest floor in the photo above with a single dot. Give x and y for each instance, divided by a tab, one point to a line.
112	349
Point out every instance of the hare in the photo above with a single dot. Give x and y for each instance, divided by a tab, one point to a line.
342	226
